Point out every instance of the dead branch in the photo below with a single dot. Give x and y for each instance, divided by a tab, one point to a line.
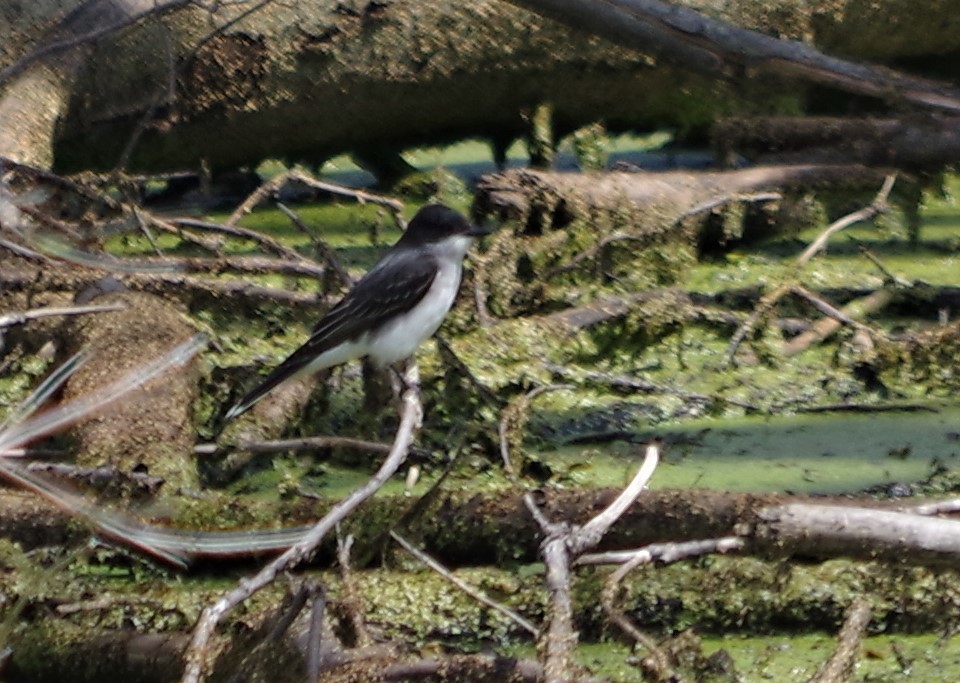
350	605
699	42
177	286
326	252
274	184
562	544
656	202
825	327
875	208
839	668
663	553
11	319
252	265
100	477
630	560
635	384
768	301
474	593
840	531
303	444
255	236
912	142
511	422
198	654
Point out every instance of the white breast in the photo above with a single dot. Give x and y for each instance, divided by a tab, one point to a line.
399	338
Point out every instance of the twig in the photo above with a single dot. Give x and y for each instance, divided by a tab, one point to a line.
888	275
877	206
264	241
589	534
839	668
664	553
25	252
514	412
145	229
198	653
276	183
307	443
474	593
630	560
450	357
766	303
325	251
11	319
98	476
562	545
351	596
637	384
720	201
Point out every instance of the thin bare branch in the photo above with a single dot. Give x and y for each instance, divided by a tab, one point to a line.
589	534
273	185
198	653
11	319
474	593
839	668
876	207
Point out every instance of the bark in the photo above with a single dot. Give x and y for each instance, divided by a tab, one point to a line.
492	529
655	202
308	80
841	531
152	429
916	143
683	35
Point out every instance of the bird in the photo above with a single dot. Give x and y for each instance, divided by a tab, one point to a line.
393	309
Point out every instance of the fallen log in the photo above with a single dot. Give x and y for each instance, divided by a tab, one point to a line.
650	203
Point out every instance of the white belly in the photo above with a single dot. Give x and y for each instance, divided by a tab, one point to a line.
399	338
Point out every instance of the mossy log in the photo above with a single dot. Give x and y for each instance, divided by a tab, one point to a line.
304	81
151	429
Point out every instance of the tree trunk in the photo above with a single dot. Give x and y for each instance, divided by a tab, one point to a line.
304	81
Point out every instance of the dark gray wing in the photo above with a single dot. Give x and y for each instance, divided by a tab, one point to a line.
395	285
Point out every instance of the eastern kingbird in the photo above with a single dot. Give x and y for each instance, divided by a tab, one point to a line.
393	308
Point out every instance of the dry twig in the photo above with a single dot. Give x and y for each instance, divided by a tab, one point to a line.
839	668
276	183
877	206
562	544
198	653
474	593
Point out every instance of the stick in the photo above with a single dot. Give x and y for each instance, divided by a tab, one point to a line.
198	654
11	319
474	593
839	668
877	206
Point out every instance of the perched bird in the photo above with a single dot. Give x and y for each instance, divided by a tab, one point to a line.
393	308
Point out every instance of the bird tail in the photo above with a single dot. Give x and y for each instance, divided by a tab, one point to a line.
294	365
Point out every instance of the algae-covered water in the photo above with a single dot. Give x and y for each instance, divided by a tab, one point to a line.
805	453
